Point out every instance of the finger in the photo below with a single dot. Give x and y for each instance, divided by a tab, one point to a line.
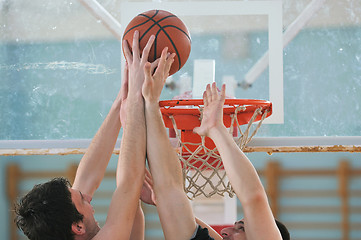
146	184
127	53
148	178
135	45
214	91
154	65
147	72
205	100
196	130
147	48
209	93
147	173
223	92
169	63
199	130
162	60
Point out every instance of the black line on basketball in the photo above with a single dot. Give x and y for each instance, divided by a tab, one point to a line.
149	19
161	28
154	23
171	41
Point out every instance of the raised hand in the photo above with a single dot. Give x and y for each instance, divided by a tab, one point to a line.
136	61
154	82
213	109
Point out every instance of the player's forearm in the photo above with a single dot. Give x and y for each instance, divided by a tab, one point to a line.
132	149
138	225
94	162
160	153
122	211
124	206
240	171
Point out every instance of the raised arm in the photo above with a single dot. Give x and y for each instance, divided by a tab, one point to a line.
138	227
173	206
92	166
131	164
258	218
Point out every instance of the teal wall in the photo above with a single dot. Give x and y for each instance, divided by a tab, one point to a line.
64	90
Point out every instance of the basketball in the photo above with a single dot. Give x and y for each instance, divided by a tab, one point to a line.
169	31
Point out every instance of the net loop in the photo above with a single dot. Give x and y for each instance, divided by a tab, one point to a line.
202	166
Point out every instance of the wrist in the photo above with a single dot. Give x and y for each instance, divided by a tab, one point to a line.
217	130
151	105
136	96
117	103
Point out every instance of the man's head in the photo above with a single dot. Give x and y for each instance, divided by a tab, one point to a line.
237	232
48	211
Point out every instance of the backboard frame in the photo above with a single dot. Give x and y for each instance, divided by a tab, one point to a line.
272	9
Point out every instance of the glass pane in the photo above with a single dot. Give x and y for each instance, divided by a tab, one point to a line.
60	67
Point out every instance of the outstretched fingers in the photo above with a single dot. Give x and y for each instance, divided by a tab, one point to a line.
156	74
213	94
213	101
135	45
146	50
165	62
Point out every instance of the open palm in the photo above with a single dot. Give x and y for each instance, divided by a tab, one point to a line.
213	109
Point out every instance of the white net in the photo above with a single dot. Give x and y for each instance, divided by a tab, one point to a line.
202	166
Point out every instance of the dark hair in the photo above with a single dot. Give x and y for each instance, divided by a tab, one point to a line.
283	230
47	211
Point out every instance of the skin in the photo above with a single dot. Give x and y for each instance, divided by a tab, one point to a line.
125	218
174	209
258	218
258	222
236	232
164	164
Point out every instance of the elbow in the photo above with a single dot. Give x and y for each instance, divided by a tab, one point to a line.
135	176
257	197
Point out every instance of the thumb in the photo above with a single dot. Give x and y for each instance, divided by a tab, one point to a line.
147	77
147	70
197	130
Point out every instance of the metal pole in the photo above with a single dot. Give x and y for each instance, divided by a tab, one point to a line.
104	16
293	29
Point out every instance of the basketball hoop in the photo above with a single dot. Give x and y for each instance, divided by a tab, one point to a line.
201	163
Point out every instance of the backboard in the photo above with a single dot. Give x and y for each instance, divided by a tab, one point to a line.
230	44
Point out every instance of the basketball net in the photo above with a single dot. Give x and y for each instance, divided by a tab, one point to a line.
202	166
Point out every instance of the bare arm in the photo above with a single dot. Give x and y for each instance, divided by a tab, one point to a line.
92	166
173	206
148	197
131	164
259	221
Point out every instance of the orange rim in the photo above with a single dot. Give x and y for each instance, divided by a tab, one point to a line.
173	107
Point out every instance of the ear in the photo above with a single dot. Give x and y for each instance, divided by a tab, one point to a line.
78	228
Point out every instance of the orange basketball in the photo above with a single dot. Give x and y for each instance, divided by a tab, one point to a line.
169	31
